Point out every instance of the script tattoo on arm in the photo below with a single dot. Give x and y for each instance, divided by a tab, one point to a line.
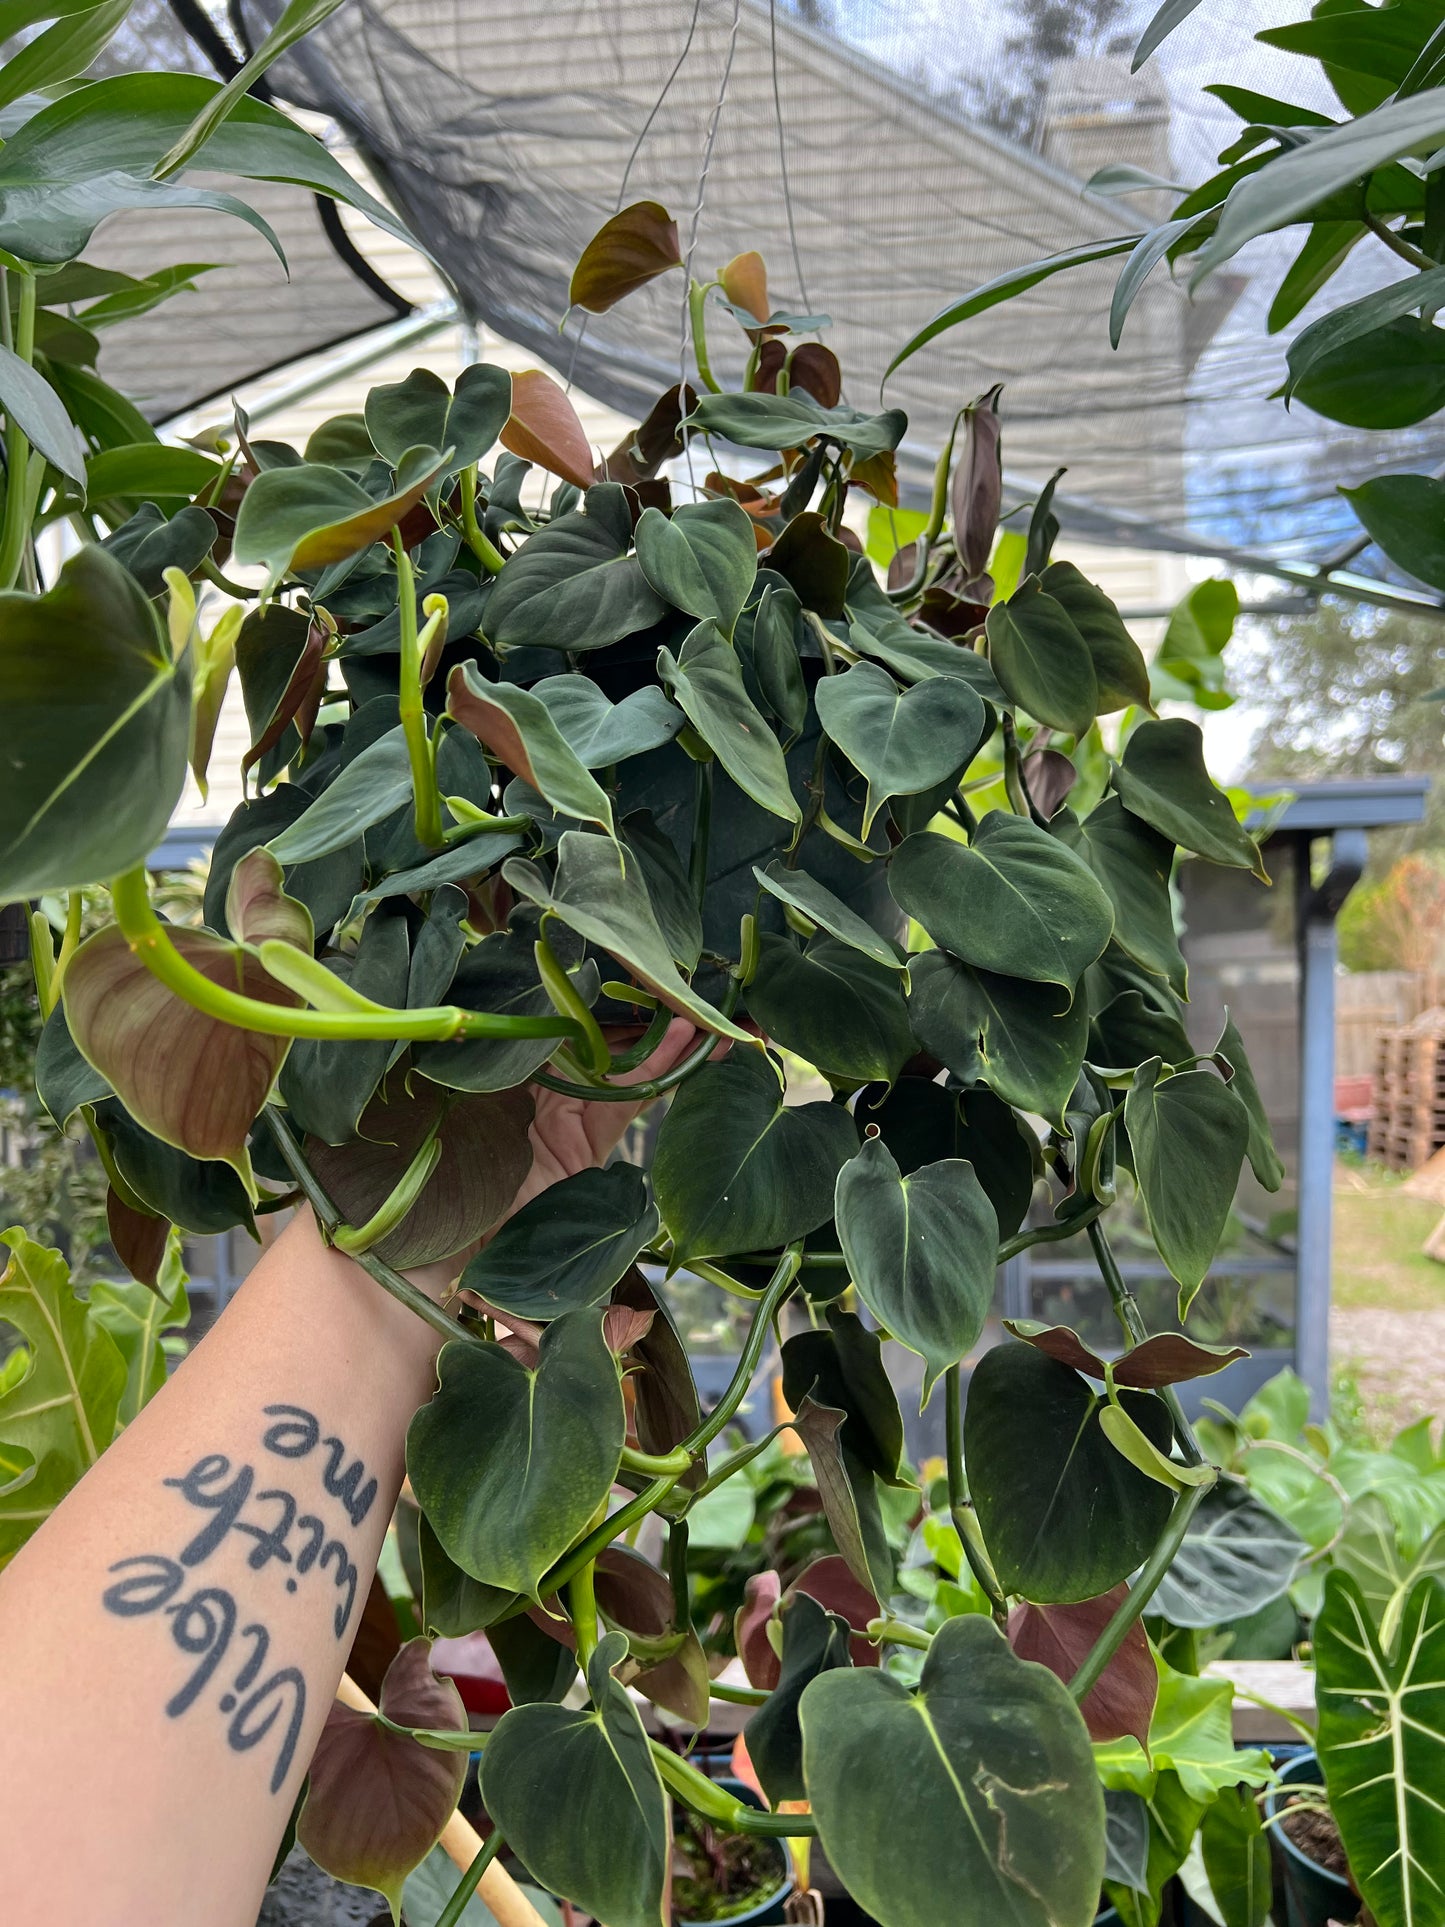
204	1623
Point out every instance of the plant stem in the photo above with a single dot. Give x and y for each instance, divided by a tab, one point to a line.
653	1465
427	804
704	1796
1015	787
600	1537
1139	1594
778	1288
1131	1318
701	830
654	1086
491	558
738	1695
452	1913
329	1218
734	1462
960	1506
1397	244
1047	1234
696	300
15	529
150	941
582	1605
897	1632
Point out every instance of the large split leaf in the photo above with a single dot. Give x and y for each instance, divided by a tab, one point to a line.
1236	1557
1005	1809
568	1247
706	680
573	585
1188	1134
599	732
600	892
1042	661
814	1642
137	1317
1133	862
520	732
1015	901
1381	1739
1025	1040
922	1251
833	1006
702	558
902	741
59	1416
1065	1517
1162	779
736	1170
486	1152
97	727
1062	1637
377	1800
421	412
509	1464
577	1798
1192	1734
309	515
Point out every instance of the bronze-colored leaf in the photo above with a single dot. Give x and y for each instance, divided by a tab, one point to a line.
543	427
378	1799
1050	776
278	654
665	1407
1168	1358
139	1237
750	1629
258	909
637	458
830	1581
1057	1341
634	247
814	561
815	370
486	1152
189	1079
1060	1637
745	283
879	476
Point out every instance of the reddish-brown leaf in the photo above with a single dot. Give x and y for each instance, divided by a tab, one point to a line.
771	357
634	247
379	1800
1050	776
654	441
139	1237
879	476
622	1327
1057	1341
1060	1637
277	643
978	484
815	370
745	283
750	1630
543	428
257	906
1169	1358
831	1583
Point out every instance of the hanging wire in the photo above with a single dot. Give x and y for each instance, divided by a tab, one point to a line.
783	156
696	222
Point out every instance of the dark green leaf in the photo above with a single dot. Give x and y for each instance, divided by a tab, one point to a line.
842	1367
568	1247
1391	378
1064	1516
1230	1055
97	725
706	679
702	559
204	1197
1236	1858
153	469
1362	318
1403	514
365	791
520	732
421	412
600	732
308	516
1236	1557
833	1006
545	1766
34	407
278	656
921	1251
1043	663
500	974
806	895
326	886
737	1171
63	1079
1119	668
766	639
148	544
787	421
536	1667
1188	1134
673	902
1133	862
1025	1041
1006	1811
327	1084
1162	779
453	1603
902	741
1015	901
573	585
509	1465
814	1642
849	1492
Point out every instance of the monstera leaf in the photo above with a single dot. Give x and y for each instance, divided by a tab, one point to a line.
97	724
1008	1811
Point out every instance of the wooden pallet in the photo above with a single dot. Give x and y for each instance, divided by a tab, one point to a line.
1408	1125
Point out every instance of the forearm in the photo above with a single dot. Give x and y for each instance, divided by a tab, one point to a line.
186	1614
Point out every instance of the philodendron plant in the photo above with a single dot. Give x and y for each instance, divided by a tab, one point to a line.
532	771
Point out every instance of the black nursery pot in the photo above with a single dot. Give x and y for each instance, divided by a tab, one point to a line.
767	1910
1313	1896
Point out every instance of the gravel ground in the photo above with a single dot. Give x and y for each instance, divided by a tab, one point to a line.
1396	1357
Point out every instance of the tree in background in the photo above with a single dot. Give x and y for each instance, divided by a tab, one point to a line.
1047	32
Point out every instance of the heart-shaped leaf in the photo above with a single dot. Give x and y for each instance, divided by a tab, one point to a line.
278	656
574	585
306	516
814	1642
842	1367
849	1492
1043	663
421	412
1119	669
500	975
1063	1515
702	558
1168	1358
600	733
509	1464
754	1648
706	680
1230	1055
737	1171
1062	1637
813	900
632	248
833	1006
1236	1557
788	421
568	1247
544	428
377	1800
328	1084
922	1251
1162	779
519	731
599	891
902	741
1133	862
486	1152
1006	1811
1188	1134
545	1765
366	790
1025	1040
1015	901
766	639
204	1197
97	723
